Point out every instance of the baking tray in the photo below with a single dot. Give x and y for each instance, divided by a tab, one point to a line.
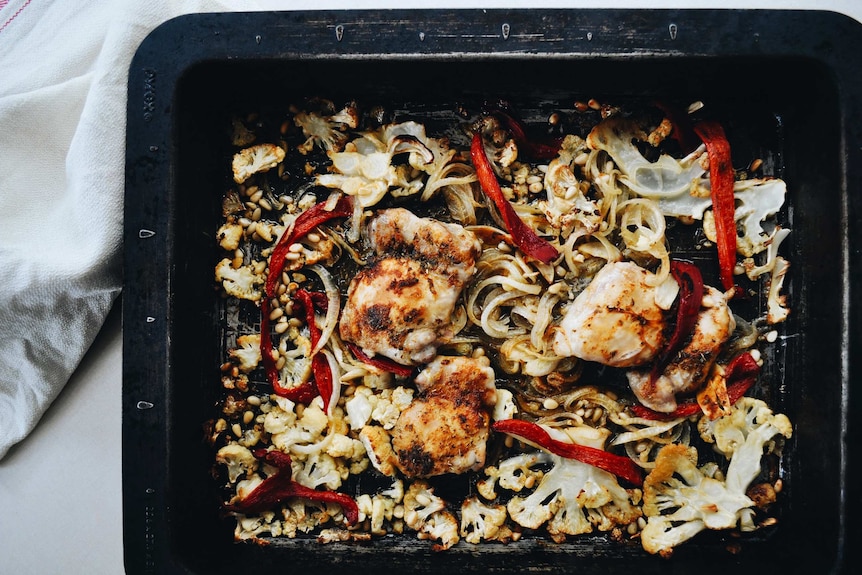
795	72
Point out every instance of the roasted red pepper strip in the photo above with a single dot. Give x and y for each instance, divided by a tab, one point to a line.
304	223
683	131
280	486
618	465
300	394
319	365
522	234
383	363
740	373
687	275
529	148
721	179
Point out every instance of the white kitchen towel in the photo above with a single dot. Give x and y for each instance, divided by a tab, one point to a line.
63	71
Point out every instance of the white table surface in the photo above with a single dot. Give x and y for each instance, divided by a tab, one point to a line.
60	488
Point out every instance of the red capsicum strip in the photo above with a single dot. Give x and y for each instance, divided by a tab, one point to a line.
280	486
618	465
530	148
522	234
303	393
683	131
689	300
721	179
385	364
319	365
304	223
741	373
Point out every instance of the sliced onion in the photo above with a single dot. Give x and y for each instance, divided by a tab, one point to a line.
335	369
344	245
459	319
648	221
655	428
543	318
311	448
510	285
648	235
461	204
333	307
455	174
592	395
533	362
355	229
493	327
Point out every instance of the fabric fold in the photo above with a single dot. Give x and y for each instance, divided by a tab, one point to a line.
63	73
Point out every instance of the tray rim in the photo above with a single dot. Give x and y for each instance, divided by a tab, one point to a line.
640	34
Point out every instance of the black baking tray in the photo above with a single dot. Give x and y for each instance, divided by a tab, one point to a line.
796	74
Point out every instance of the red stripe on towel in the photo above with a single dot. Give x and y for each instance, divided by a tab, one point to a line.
3	4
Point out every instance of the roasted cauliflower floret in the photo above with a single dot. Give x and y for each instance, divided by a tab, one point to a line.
242	282
280	417
360	406
390	404
442	527
742	436
514	474
238	459
343	446
757	200
229	236
307	430
382	507
327	132
318	470
420	503
295	346
567	208
254	159
384	406
748	418
665	178
777	310
303	516
426	513
365	169
681	500
574	498
483	522
247	355
378	446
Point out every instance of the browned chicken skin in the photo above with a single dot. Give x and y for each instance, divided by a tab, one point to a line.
689	369
615	321
401	305
446	428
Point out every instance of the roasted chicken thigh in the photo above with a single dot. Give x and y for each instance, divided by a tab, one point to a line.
689	368
445	428
615	321
400	306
